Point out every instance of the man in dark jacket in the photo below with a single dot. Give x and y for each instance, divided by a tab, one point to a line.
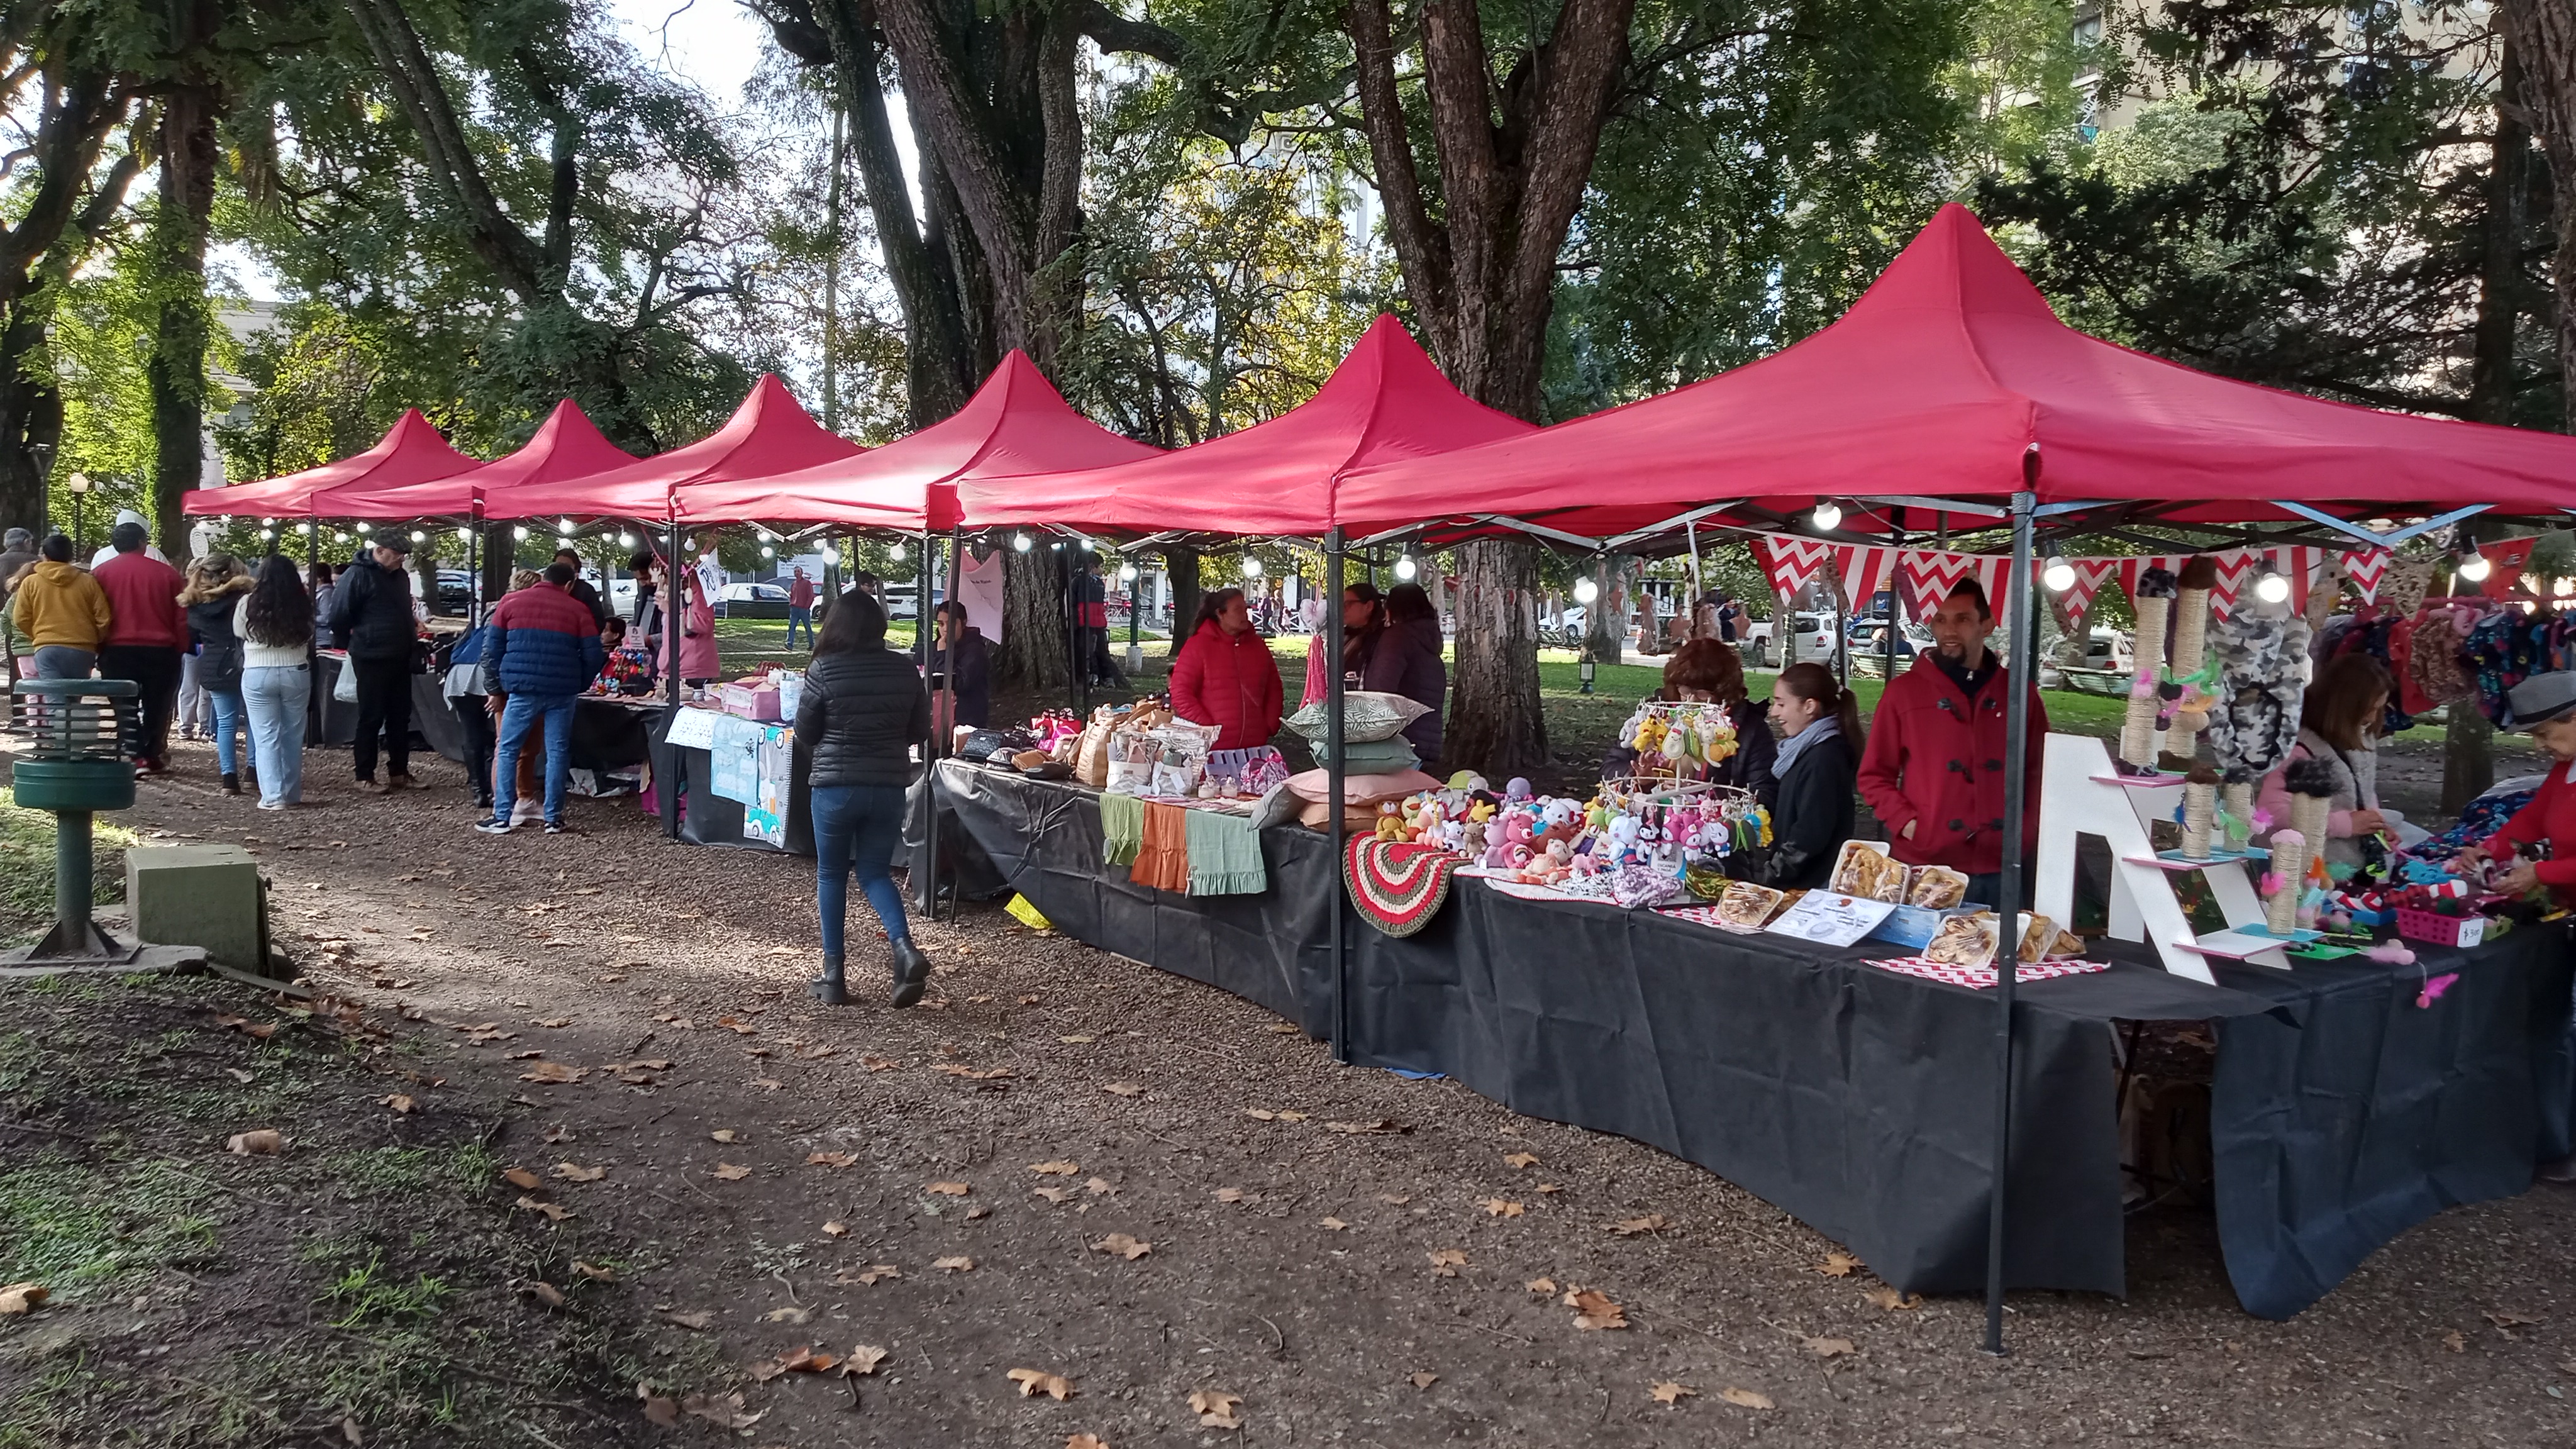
582	591
1934	767
862	712
540	652
371	618
962	648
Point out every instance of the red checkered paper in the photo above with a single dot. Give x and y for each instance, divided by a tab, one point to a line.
1982	977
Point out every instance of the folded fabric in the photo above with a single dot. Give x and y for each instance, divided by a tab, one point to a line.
1225	855
1367	714
1361	789
1372	757
1122	828
1163	856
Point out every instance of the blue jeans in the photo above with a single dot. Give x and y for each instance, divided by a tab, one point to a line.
276	697
227	707
855	828
518	717
796	617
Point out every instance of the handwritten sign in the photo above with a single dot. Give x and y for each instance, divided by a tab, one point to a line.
1831	920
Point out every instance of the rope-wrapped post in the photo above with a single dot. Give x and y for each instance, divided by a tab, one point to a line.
2153	600
2236	799
2289	875
2190	655
2199	812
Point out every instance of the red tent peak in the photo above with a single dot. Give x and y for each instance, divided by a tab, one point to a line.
1954	266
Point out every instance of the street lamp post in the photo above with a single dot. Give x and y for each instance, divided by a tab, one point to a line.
78	483
1135	608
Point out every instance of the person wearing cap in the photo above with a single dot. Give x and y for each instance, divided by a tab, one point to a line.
17	555
146	636
371	617
107	552
2544	706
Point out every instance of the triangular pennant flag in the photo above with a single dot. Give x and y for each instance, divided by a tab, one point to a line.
2365	567
1863	569
2090	575
1790	563
2235	570
2298	563
1928	577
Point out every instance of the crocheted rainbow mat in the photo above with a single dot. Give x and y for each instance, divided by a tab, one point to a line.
1397	885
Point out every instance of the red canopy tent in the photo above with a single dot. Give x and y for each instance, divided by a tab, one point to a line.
1017	424
411	452
1947	380
769	434
567	445
1386	403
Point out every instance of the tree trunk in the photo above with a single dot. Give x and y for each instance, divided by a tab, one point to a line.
1495	723
176	368
1035	647
31	414
2542	38
1181	566
1605	624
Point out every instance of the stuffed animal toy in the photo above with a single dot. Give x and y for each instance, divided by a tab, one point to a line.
1517	788
1390	825
2260	657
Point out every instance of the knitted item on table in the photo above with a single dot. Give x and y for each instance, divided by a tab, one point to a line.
1163	858
2153	602
1225	856
1397	886
1122	828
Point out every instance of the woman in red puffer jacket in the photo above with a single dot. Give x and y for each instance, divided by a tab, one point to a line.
1225	675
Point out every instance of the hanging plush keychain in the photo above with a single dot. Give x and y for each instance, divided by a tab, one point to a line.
2184	696
2260	659
2153	599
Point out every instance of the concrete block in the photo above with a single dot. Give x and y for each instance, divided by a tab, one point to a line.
199	895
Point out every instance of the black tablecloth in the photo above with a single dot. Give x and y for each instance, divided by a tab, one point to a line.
331	720
1861	1100
711	819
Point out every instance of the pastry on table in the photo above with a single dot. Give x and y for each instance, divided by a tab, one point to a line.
1747	905
2067	946
1967	940
1866	871
2037	934
1936	888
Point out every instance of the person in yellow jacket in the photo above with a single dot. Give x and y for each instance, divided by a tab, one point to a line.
62	611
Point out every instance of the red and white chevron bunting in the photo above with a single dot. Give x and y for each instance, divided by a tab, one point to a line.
1863	570
1790	563
1928	577
2090	575
2366	567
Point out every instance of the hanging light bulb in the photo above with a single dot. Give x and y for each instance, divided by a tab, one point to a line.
267	533
1828	515
765	535
563	525
519	531
2271	588
339	538
2059	576
1405	568
267	522
419	537
1251	567
625	540
1585	591
1126	573
1020	542
894	550
366	528
2562	588
2474	566
767	552
304	528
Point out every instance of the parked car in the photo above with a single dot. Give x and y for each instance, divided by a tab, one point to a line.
1815	640
753	601
455	588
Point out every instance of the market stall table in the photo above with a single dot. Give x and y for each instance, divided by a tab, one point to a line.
1855	1098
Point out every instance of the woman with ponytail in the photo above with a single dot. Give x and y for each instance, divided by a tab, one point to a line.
1820	742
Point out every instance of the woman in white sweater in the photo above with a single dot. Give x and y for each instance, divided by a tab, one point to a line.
275	622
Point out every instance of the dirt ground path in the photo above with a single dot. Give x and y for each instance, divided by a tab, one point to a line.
1072	1164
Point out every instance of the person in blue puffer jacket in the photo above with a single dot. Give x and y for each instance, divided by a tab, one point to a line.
540	651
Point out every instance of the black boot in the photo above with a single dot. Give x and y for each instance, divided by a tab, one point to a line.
232	782
911	974
827	988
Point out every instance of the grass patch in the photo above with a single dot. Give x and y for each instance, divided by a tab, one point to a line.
80	1230
27	869
457	1170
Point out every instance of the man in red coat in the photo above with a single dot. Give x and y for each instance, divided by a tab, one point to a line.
1934	768
145	638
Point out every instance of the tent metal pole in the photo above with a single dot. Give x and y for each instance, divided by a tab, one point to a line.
672	622
1895	594
1333	782
2017	677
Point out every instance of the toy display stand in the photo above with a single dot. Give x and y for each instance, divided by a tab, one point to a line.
2081	793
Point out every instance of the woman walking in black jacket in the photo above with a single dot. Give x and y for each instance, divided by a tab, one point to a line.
1820	740
863	710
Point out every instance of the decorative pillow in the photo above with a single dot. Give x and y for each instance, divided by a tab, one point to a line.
1368	715
1360	790
1373	757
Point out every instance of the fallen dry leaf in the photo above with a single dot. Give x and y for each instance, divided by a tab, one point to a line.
876	1064
1124	1246
2455	1341
553	1073
1520	1159
732	1172
256	1030
2507	1321
1215	1408
700	1320
1827	1347
1123	1089
1893	1301
1080	1039
1286	1028
875	1274
18	1298
398	1102
555	1023
1053	1194
1395	1199
574	1172
1098	1187
952	1189
1671	1394
554	1212
836	1229
545	1293
1445	1262
1497	1208
265	1142
1057	1168
1631	1227
1422	1380
1838	1265
1745	1398
1231	1194
593	1271
561	1133
959	1264
725	1134
978	1211
1593	1309
831	1159
1334	1225
1034	1382
659	1411
520	1177
1541	1285
724	1413
794	1361
736	1024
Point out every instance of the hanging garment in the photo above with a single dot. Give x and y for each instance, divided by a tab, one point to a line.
1225	855
1122	828
979	587
1163	853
